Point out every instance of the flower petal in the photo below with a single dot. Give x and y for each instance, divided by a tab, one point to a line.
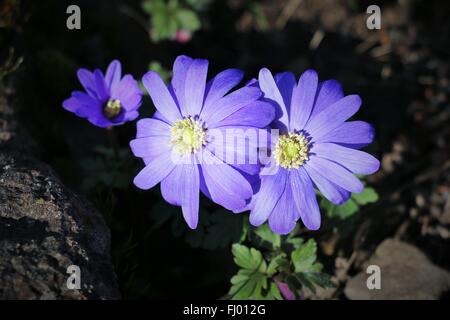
152	127
113	74
102	91
172	185
305	199
286	83
127	91
356	161
150	147
353	134
216	192
303	100
256	114
229	179
194	87
272	187
329	190
180	68
283	218
336	174
272	93
328	92
161	97
229	104
156	170
220	85
191	195
333	116
87	80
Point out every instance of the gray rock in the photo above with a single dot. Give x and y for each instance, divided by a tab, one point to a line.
45	228
406	273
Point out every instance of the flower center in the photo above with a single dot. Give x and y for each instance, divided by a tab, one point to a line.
188	136
291	150
112	108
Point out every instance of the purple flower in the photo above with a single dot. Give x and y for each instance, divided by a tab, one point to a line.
285	291
189	110
316	147
109	100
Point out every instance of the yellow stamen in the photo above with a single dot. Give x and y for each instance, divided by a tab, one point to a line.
291	150
188	136
112	108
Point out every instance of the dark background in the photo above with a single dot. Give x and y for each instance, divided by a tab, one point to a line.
400	71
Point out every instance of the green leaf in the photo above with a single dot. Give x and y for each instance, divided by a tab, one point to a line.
343	211
304	257
248	284
275	263
274	292
369	195
248	258
266	234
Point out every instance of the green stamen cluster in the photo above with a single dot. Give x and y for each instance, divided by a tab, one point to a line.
291	150
188	136
112	108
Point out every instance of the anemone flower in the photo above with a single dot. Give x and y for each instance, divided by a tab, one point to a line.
176	143
315	148
109	100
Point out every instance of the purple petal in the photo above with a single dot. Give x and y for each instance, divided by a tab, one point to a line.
220	85
128	93
283	218
303	99
102	91
113	74
87	80
285	291
229	104
329	190
356	161
161	97
194	88
336	174
286	83
150	147
154	171
228	178
180	68
152	127
305	199
256	114
272	93
191	195
333	116
172	185
355	134
216	192
270	192
89	106
328	92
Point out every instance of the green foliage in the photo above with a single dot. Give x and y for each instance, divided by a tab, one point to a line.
290	260
351	206
168	17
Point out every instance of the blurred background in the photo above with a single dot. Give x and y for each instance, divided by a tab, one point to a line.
401	72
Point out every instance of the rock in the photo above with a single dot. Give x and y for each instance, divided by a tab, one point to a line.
45	228
406	273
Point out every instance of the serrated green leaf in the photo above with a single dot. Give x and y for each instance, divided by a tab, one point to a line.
247	284
274	264
304	257
369	195
343	211
275	292
268	235
248	258
296	242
